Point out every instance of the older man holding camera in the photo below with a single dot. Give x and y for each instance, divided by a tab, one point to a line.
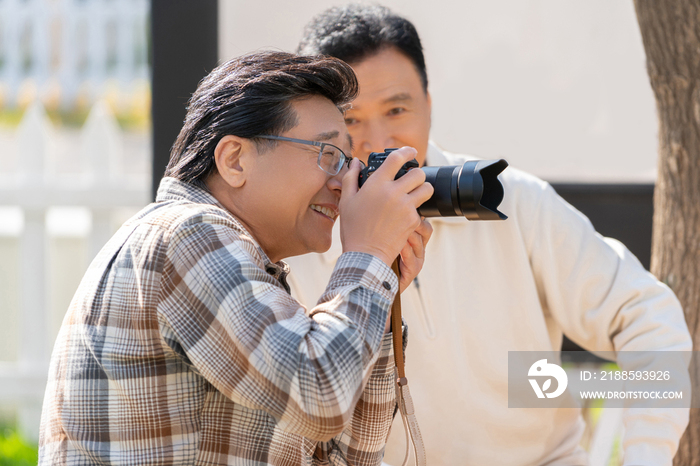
183	345
488	288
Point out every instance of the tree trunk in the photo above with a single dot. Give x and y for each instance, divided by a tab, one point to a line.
671	34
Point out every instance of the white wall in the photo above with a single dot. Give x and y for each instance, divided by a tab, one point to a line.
557	87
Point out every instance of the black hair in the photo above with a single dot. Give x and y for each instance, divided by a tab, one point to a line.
251	96
354	32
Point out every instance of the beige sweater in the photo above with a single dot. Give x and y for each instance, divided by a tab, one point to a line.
491	287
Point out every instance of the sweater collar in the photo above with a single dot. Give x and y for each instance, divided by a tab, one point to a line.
434	157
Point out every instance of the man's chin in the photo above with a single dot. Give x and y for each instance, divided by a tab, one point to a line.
319	246
323	241
323	247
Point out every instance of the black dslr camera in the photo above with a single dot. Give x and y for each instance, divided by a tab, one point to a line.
471	190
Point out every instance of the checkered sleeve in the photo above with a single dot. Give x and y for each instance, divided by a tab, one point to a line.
254	343
362	442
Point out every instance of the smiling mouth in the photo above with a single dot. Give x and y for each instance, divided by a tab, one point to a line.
332	214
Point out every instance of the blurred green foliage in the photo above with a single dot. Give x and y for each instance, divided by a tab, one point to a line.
132	120
14	451
131	107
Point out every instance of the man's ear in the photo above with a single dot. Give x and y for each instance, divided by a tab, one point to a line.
232	156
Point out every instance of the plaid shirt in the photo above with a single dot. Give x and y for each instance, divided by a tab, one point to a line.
182	345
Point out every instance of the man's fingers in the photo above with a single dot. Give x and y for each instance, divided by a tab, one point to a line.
425	230
411	180
421	194
383	213
394	161
418	240
414	246
351	177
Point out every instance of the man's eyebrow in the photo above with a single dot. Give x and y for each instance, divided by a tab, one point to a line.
400	97
352	146
326	136
331	135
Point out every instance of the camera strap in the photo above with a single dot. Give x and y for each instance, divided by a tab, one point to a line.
403	395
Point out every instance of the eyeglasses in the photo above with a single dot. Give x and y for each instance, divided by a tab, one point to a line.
330	158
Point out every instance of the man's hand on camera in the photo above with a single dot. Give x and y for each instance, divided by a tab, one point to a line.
379	218
413	254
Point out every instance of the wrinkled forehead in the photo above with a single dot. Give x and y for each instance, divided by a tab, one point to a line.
318	119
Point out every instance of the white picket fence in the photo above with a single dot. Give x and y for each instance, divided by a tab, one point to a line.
62	45
61	198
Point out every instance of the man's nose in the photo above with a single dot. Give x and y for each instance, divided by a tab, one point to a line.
375	138
335	182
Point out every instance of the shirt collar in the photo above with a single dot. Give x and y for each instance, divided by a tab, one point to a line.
172	189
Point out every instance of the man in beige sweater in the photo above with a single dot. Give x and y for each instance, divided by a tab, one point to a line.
488	288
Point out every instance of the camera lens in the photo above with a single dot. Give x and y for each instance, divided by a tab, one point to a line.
471	190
